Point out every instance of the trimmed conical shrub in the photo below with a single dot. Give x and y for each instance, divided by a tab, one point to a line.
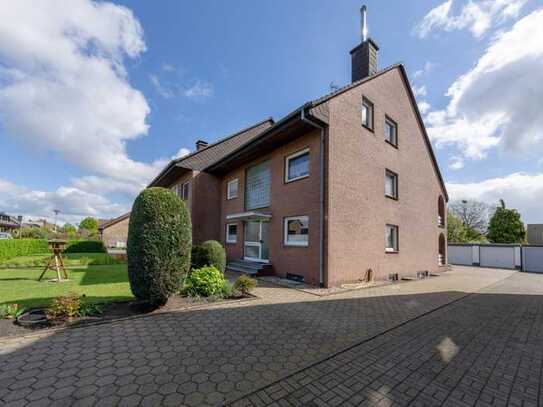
159	245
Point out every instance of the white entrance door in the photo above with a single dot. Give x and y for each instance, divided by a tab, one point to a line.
256	241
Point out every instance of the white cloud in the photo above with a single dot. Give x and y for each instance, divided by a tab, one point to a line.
419	90
72	202
521	191
497	102
168	67
200	89
64	87
424	106
428	66
456	163
161	89
181	153
476	16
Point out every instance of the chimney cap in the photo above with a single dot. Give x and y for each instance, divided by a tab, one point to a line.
369	40
201	144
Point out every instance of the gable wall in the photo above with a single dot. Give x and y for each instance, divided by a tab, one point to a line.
357	207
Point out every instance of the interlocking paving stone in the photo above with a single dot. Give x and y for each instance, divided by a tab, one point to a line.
215	355
484	350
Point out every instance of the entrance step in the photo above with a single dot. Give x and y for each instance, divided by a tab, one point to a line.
251	268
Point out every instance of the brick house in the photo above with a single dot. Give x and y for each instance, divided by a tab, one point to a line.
343	184
114	232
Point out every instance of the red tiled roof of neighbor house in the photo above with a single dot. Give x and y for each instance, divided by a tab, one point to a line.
209	155
110	222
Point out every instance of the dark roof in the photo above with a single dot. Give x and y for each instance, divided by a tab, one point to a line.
112	222
214	152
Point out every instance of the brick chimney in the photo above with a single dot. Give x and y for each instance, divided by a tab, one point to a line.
364	56
201	144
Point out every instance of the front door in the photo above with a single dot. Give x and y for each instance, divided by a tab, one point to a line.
256	241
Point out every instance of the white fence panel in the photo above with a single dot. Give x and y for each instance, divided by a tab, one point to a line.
498	256
532	257
461	255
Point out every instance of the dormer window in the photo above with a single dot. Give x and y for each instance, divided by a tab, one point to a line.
367	114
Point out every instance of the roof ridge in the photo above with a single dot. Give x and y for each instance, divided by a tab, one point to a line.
351	85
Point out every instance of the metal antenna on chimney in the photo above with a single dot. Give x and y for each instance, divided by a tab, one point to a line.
363	23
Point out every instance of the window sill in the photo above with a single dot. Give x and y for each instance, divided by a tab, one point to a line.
392	251
368	128
231	198
295	245
288	181
391	144
394	198
231	243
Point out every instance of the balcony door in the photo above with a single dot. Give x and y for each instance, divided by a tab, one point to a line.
256	246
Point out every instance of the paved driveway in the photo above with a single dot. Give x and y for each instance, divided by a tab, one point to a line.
425	343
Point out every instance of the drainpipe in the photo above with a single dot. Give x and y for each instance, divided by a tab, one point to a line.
321	192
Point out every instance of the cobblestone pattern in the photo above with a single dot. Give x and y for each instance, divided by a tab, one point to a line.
216	355
482	351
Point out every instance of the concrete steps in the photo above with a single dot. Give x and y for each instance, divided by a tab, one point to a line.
251	268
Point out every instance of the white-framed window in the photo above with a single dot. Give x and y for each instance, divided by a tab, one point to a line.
391	131
232	188
297	166
257	186
367	113
231	232
182	190
391	238
391	184
296	231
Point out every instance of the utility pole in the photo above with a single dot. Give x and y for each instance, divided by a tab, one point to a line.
56	212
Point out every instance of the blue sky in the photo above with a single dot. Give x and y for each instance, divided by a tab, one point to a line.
96	99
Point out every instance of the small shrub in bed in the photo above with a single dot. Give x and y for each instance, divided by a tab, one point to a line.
244	284
159	245
209	253
64	307
205	282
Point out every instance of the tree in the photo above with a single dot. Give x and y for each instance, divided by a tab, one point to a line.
159	245
68	228
89	224
473	214
456	231
506	226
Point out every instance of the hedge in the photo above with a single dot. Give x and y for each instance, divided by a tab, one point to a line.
22	247
10	248
159	245
209	253
85	246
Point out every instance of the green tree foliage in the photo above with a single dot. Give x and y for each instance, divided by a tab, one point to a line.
458	232
209	253
159	245
506	226
68	228
89	224
33	233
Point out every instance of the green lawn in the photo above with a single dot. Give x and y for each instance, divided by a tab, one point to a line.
98	283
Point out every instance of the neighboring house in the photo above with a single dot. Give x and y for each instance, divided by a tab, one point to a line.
535	235
114	232
8	223
343	184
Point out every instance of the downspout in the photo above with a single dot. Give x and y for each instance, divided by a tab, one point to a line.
322	129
